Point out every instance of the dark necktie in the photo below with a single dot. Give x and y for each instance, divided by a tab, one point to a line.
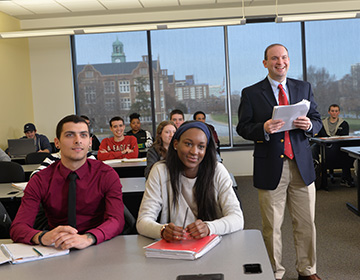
287	143
72	200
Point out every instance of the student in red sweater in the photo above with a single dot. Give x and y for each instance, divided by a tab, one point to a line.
119	146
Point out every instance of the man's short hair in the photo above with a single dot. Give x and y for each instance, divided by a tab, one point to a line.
274	45
176	111
69	118
134	116
198	113
117	118
334	105
85	117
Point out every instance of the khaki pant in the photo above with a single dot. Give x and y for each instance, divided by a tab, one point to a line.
300	200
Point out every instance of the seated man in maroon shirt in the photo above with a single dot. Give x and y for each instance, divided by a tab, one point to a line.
99	204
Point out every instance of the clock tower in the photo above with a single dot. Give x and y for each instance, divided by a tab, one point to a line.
118	54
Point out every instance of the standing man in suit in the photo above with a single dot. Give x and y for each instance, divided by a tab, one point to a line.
283	165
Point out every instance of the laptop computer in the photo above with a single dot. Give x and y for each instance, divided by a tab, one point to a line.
19	148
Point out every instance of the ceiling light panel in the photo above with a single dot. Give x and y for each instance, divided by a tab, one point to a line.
319	16
159	3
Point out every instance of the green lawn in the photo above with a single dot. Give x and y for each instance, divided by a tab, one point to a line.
222	118
354	124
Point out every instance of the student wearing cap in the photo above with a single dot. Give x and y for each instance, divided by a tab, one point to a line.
41	141
190	178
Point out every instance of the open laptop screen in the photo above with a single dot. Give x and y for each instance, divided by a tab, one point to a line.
21	147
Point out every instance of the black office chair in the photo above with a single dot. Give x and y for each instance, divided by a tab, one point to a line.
130	223
53	148
336	159
5	223
34	158
11	172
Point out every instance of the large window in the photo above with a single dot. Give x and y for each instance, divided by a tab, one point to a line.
111	80
194	60
189	71
246	53
333	67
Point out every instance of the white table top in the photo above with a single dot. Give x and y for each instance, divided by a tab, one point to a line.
133	184
30	167
130	185
352	151
123	258
8	191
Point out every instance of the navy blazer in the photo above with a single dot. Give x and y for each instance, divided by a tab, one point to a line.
256	107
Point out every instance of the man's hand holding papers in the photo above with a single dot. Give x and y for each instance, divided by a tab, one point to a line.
292	116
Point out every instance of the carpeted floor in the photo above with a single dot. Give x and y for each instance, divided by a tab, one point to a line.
338	231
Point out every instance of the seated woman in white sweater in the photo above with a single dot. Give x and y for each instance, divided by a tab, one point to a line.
190	178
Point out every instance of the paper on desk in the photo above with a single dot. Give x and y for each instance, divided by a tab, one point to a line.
20	186
19	253
111	161
133	159
289	113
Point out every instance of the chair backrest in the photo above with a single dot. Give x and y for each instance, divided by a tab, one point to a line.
34	158
130	223
5	222
53	148
11	172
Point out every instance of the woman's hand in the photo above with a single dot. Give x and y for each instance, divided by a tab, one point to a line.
173	233
198	230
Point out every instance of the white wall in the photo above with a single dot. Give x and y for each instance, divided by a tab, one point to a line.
239	163
52	82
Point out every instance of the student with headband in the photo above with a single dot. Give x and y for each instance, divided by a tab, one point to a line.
190	178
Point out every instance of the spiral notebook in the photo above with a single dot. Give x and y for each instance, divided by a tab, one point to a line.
19	253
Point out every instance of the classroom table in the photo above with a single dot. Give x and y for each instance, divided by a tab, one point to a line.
128	169
133	191
124	169
325	142
355	153
130	185
28	169
123	258
19	160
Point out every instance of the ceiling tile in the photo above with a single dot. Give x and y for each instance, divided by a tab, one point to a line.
197	2
13	10
123	4
159	3
41	6
82	5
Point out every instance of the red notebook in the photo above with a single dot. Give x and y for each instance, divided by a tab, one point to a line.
189	249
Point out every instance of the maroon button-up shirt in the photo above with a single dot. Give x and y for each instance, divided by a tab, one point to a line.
99	204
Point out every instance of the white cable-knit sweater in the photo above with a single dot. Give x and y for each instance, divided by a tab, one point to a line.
158	197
